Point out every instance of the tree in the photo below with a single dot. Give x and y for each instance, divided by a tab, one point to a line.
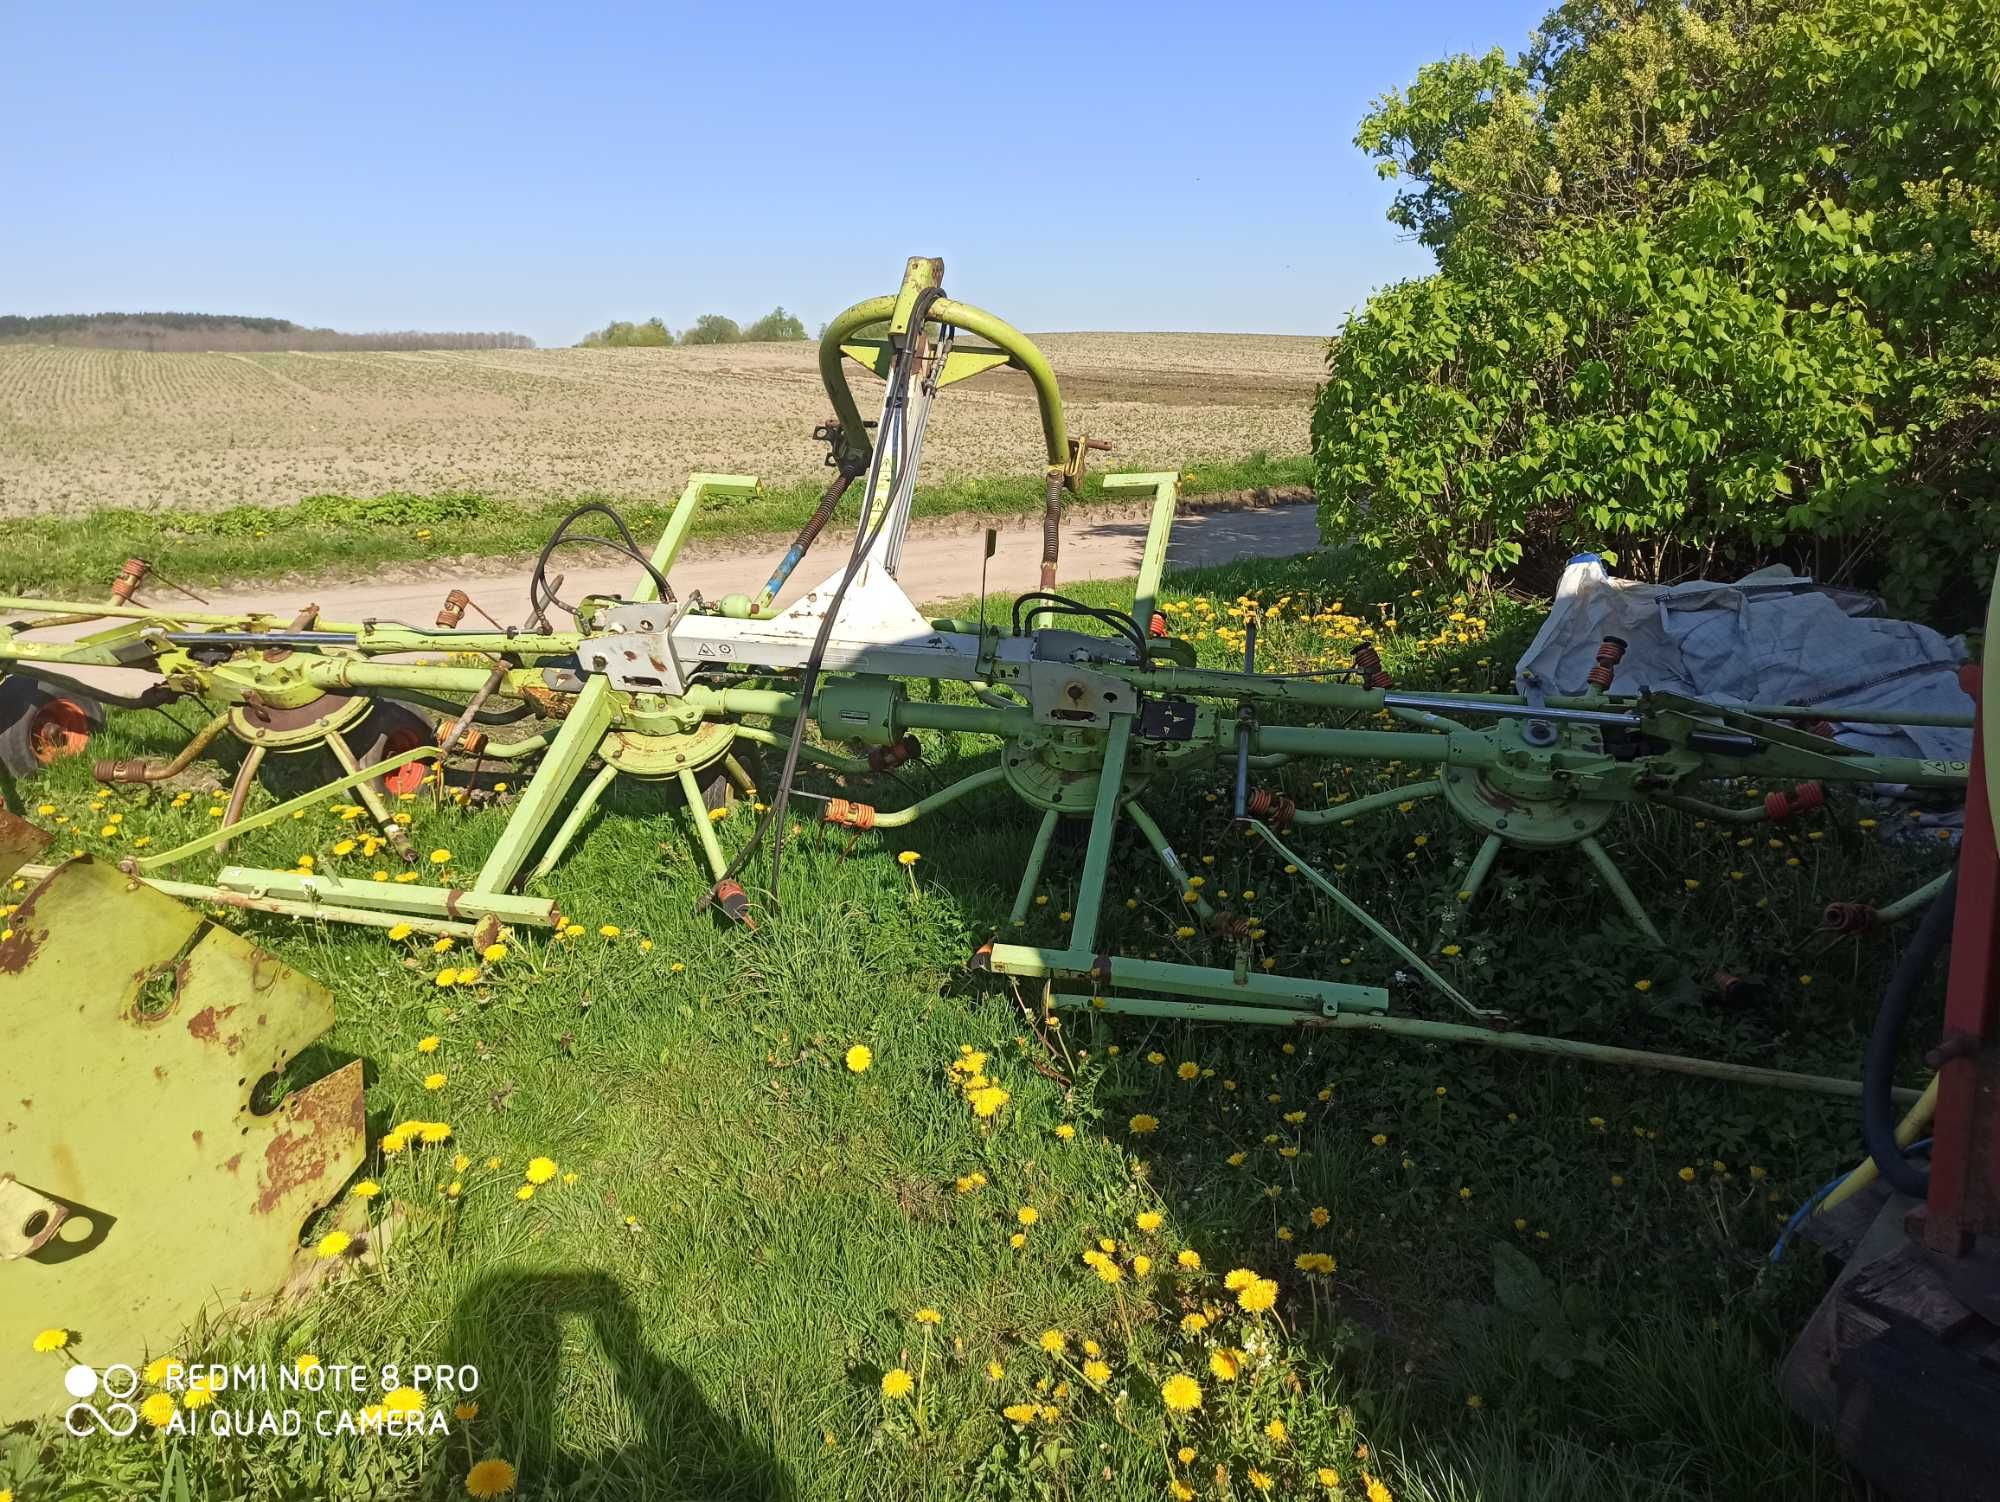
775	325
1715	277
712	328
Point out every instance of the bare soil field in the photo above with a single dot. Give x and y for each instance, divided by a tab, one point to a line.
83	429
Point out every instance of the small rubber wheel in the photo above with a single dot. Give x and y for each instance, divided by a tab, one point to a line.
38	726
401	728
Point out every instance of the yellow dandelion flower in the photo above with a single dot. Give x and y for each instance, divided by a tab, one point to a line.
525	1192
1027	1215
1181	1393
51	1340
1065	1131
1258	1296
1188	1070
440	856
1188	1258
434	1082
1097	1373
540	1170
1143	1124
908	858
1258	1479
1687	1175
465	1413
1149	1220
896	1383
859	1057
333	1243
989	1100
1054	1342
158	1410
995	1371
429	1044
489	1478
1020	1413
493	954
367	1189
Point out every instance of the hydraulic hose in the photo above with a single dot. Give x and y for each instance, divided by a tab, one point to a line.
1878	1118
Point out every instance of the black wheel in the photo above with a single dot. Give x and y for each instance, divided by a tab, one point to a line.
39	725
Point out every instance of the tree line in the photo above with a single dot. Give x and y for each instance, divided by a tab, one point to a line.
226	332
711	328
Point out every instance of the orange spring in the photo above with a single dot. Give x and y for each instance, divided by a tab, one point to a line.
470	743
453	610
1847	917
1157	626
1369	661
888	758
1229	926
1274	809
850	815
1610	652
1807	796
130	577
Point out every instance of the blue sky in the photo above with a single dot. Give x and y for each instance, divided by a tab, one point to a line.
547	167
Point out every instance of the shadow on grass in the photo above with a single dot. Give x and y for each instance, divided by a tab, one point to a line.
511	1325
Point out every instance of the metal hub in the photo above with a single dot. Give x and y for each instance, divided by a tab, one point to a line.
663	756
1529	797
300	729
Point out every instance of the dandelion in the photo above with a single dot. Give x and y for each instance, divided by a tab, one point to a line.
367	1189
440	856
1319	1216
1450	951
465	1413
51	1340
896	1383
1054	1342
1188	1258
995	1371
493	954
1065	1131
1223	1365
403	1400
434	1082
429	1044
929	1317
1181	1393
1194	1323
908	858
540	1170
1642	986
333	1243
1258	1295
1020	1413
1258	1479
1687	1175
1018	1240
1473	1400
490	1478
1380	1139
988	1101
859	1057
1188	1070
1143	1124
1027	1215
525	1193
1097	1373
158	1410
1327	1477
1377	1492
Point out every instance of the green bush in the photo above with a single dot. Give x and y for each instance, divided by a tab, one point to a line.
1715	279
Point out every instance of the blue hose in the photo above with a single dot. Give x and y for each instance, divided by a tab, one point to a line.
1804	1212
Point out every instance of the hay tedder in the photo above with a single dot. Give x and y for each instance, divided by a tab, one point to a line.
1095	714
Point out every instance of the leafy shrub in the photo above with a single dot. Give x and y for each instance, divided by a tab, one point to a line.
1714	278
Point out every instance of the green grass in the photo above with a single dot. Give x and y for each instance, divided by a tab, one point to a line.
708	1310
343	536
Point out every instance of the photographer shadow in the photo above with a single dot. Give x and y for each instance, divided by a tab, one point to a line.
511	1326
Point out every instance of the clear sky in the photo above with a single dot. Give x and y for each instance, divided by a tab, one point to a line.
547	167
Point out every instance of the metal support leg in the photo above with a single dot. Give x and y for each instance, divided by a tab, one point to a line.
572	825
1157	838
1038	854
1481	868
581	734
704	827
1627	898
369	792
1103	826
239	794
739	777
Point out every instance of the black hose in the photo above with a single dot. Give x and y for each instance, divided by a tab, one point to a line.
1878	1066
540	596
151	697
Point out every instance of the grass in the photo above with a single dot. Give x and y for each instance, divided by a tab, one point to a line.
340	535
709	1309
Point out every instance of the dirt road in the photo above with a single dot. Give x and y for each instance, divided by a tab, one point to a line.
938	564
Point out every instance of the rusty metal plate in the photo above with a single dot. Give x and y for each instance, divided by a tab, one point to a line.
20	843
134	1034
